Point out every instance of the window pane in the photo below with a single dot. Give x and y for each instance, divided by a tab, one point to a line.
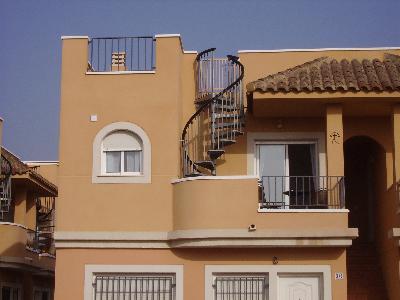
241	287
113	162
130	286
133	161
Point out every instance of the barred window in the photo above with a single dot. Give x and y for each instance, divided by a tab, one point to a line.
134	286
240	286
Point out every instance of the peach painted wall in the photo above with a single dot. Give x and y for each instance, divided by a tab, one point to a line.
71	264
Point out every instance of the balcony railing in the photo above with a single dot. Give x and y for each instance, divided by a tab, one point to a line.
302	192
113	54
39	242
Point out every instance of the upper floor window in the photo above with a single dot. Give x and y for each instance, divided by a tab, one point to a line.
121	154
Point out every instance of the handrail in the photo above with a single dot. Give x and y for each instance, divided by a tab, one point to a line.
208	102
205	104
201	54
115	54
313	192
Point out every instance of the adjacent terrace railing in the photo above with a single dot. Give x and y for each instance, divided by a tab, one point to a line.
34	242
5	187
302	192
122	54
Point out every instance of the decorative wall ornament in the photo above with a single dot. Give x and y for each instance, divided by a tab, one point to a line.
334	136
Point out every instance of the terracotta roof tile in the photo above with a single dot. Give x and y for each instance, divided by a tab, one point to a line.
327	74
17	166
20	168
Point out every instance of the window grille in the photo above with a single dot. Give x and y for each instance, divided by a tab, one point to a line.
134	286
241	287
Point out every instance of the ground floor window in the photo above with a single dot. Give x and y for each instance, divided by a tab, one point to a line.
106	282
41	294
11	292
134	286
234	286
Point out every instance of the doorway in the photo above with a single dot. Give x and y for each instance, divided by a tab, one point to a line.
364	167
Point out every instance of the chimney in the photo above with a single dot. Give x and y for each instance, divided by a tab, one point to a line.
118	61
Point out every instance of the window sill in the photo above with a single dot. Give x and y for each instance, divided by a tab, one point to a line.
121	178
121	175
309	210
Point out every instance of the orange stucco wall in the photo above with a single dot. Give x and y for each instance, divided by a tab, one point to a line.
227	204
71	264
161	103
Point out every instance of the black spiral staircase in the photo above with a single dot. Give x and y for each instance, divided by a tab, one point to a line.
219	116
5	187
45	210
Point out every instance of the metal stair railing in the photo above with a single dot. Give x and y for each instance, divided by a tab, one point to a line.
5	186
219	117
45	208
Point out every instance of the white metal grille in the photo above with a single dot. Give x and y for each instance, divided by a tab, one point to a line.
134	287
241	287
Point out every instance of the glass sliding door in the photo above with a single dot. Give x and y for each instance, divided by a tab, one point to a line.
272	169
287	173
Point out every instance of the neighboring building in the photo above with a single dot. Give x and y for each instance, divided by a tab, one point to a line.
27	253
304	203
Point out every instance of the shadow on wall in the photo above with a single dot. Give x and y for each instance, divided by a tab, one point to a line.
264	255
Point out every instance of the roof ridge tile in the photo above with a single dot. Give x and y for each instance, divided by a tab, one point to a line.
327	74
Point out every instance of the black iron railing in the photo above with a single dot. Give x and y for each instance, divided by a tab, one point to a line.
38	243
5	187
219	115
122	54
302	192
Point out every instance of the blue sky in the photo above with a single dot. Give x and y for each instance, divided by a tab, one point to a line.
30	46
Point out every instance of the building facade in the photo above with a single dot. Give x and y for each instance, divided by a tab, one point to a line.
27	208
271	175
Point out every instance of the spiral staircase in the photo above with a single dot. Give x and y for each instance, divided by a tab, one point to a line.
5	187
45	210
219	116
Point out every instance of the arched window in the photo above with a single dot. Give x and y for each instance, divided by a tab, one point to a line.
121	154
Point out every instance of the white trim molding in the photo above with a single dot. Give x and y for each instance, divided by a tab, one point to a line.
119	72
233	238
91	270
167	35
319	50
74	37
295	210
99	177
233	177
273	272
14	224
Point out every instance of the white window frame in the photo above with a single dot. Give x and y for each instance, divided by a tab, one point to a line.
285	143
41	289
274	272
239	274
253	138
92	270
122	172
98	173
12	285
